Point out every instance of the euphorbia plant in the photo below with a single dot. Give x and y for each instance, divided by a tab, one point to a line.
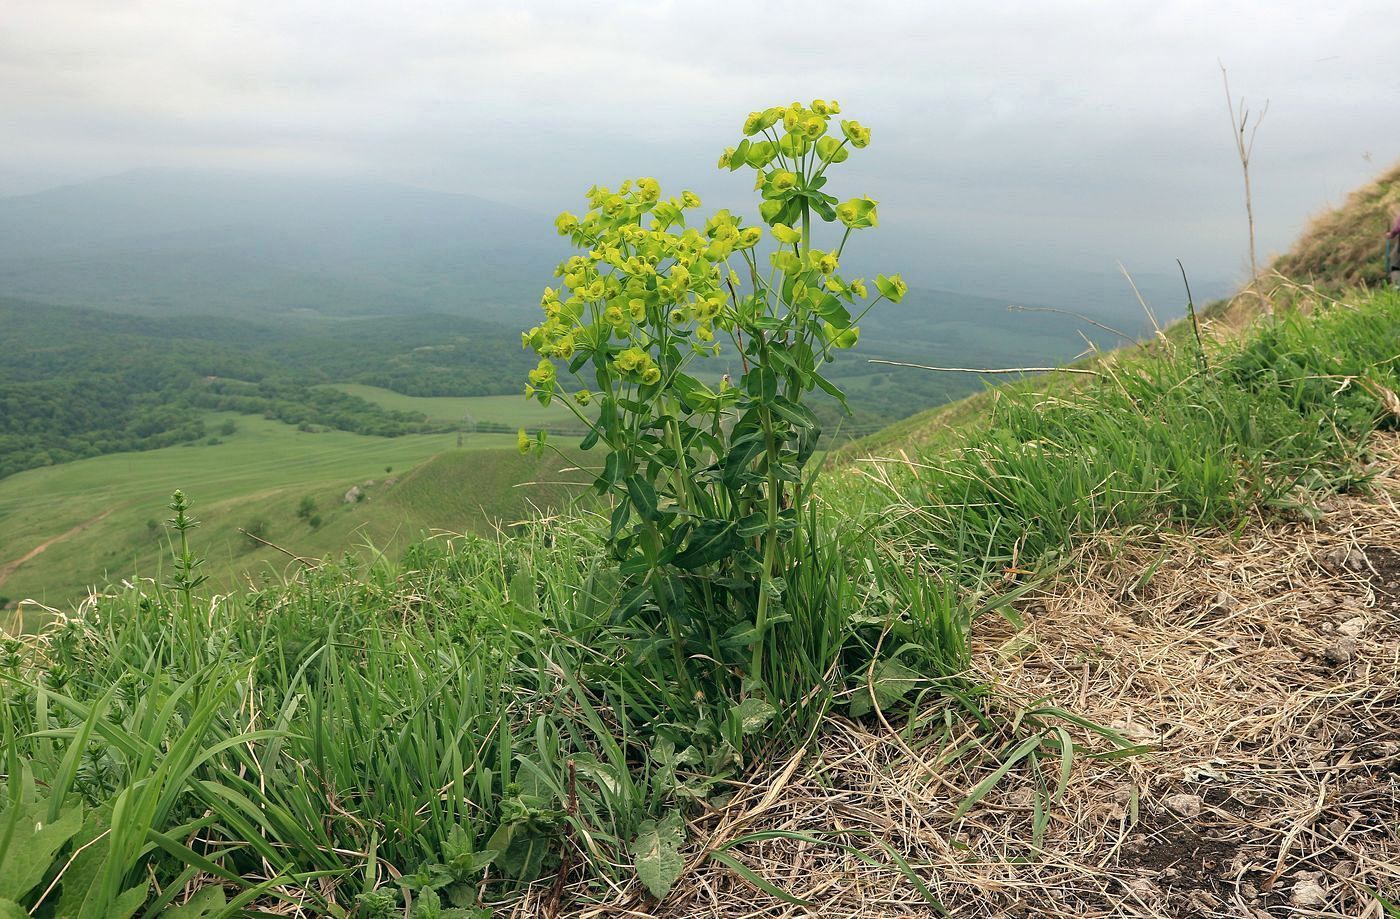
707	478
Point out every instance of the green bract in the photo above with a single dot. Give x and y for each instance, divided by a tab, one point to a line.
706	480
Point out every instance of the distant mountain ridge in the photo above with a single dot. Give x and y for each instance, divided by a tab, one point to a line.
161	243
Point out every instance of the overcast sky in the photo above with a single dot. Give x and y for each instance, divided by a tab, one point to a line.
1074	133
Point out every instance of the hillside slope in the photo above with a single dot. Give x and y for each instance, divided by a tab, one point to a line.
1343	247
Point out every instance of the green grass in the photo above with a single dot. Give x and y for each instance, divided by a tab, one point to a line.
465	717
509	411
261	472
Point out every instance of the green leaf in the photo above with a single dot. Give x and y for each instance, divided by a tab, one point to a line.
33	847
657	853
753	714
9	909
643	496
739	868
1029	746
711	541
522	592
892	681
128	902
619	519
795	413
740	155
207	902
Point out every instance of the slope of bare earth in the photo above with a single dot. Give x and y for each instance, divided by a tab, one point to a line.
1262	674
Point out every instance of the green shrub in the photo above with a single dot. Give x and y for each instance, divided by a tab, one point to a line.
709	484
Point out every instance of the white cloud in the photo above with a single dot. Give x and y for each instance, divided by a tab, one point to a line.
1088	130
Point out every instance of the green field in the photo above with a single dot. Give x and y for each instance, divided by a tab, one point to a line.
507	410
96	515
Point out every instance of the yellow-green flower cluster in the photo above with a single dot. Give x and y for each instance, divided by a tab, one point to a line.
643	278
787	135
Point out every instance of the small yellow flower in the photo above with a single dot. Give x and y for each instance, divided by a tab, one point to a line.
690	199
648	190
858	288
783	180
786	234
638	309
750	237
704	333
630	359
725	157
827	263
522	441
820	107
856	133
565	223
651	375
543	374
814	127
753	124
614	317
892	287
829	150
858	213
583	397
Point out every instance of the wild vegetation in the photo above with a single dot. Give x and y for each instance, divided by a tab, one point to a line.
536	722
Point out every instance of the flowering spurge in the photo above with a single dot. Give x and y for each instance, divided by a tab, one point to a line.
707	480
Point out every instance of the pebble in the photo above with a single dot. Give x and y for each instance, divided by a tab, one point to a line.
1307	893
1341	652
1352	627
1184	805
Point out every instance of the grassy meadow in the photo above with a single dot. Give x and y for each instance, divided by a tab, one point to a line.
478	718
508	411
96	514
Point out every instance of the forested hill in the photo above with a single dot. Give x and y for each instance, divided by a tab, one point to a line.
79	382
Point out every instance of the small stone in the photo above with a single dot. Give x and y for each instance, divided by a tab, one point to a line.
1307	893
1344	869
1184	805
1341	652
1249	891
1352	627
1136	844
353	494
1143	889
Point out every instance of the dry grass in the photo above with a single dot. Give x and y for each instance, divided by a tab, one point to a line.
1342	248
1263	671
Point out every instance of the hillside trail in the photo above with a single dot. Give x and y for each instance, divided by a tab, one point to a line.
11	567
1258	672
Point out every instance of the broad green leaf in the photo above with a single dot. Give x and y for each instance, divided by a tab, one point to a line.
206	902
892	681
711	541
33	847
9	909
643	496
657	853
753	714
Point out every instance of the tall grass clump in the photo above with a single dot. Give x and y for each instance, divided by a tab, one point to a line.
1157	438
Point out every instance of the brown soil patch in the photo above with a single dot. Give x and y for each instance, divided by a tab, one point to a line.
11	567
1262	672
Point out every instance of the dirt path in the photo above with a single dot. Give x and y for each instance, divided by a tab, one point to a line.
11	567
